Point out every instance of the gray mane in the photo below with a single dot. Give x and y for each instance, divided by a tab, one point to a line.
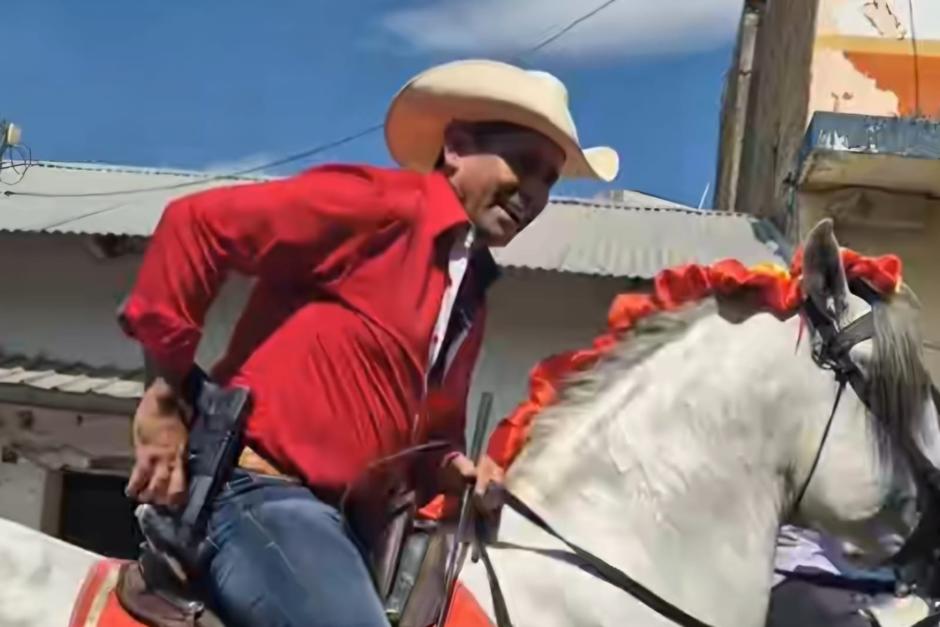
579	390
898	381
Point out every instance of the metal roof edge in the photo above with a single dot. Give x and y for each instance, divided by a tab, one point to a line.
208	175
611	204
23	394
95	166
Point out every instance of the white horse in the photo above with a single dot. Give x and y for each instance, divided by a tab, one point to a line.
40	577
675	460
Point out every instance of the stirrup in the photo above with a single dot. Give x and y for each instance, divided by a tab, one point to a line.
149	591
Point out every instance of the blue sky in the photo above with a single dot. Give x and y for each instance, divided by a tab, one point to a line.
220	84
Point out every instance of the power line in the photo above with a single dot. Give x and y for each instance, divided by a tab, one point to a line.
552	38
208	179
298	156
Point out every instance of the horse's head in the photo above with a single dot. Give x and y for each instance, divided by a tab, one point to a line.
865	462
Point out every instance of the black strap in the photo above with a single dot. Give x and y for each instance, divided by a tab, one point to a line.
603	570
500	609
819	450
864	585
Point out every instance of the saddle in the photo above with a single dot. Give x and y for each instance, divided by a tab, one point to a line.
408	565
408	559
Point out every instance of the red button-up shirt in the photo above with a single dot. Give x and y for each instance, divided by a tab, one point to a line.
335	341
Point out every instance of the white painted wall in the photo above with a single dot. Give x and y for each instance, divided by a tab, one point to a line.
534	315
30	495
58	300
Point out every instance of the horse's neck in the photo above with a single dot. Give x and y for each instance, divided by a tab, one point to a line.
676	479
40	575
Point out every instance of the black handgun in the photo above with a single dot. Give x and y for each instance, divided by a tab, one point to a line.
215	440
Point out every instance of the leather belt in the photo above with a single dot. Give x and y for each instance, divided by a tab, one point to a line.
251	461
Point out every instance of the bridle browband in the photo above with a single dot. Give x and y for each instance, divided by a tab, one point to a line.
833	353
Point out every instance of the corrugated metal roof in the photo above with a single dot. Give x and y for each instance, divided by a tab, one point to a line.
24	208
79	379
614	239
637	236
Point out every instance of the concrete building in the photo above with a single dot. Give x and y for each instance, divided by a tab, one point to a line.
832	108
69	380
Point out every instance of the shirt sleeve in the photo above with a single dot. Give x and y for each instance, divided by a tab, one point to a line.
302	228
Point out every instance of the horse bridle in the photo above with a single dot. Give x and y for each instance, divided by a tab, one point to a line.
833	353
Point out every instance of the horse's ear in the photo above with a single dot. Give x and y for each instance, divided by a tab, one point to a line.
823	273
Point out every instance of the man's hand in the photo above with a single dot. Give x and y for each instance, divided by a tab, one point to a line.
488	473
160	438
461	471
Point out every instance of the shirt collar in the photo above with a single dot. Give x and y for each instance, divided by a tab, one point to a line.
444	209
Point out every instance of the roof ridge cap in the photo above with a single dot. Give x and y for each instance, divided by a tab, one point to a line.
612	204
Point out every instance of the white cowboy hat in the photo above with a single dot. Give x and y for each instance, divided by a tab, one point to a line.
481	90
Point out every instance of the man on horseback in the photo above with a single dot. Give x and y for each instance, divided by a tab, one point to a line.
360	335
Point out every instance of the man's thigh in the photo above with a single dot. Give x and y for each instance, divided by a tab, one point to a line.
285	558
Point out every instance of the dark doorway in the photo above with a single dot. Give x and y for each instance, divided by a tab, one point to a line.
97	516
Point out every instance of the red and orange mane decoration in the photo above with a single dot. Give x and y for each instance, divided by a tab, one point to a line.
768	287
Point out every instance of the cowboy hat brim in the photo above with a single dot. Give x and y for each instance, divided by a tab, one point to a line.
481	91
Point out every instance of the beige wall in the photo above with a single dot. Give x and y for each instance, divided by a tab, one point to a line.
919	249
864	59
849	56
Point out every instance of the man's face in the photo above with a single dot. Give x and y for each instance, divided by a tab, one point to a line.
503	174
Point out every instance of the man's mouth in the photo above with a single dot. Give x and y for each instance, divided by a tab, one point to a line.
513	212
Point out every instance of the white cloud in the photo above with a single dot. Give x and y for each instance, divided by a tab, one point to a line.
506	27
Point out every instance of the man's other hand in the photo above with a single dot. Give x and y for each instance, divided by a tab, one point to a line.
460	471
160	438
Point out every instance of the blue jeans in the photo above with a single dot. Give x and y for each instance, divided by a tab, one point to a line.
285	558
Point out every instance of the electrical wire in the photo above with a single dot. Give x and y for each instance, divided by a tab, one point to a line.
298	156
19	166
571	25
206	179
22	167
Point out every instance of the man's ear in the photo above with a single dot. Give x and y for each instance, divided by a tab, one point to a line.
458	141
823	273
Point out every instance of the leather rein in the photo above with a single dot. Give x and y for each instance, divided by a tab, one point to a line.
832	354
